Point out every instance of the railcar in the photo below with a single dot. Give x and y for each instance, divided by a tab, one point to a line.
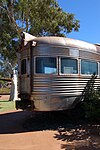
53	71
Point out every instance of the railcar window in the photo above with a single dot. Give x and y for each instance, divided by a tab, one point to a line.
89	67
69	66
23	66
46	65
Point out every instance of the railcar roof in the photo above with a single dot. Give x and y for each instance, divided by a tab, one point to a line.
65	42
62	41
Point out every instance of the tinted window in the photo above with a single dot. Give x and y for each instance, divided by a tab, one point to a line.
46	65
23	66
89	67
68	66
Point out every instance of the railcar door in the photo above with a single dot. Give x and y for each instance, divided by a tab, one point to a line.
25	87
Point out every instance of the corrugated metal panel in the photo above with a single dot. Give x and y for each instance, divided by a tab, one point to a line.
60	85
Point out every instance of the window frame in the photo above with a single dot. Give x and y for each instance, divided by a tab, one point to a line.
45	57
89	60
71	58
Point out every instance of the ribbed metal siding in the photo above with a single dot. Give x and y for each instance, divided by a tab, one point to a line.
60	85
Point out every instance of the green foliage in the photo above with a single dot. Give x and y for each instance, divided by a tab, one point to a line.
39	17
91	103
8	43
50	19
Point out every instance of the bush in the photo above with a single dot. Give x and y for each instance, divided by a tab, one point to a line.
91	104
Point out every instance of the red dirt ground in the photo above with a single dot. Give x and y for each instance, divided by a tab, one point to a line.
14	137
4	97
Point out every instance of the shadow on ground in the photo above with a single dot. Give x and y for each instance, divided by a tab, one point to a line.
80	136
13	122
76	135
22	121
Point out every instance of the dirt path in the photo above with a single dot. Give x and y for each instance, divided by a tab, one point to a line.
4	97
14	137
45	134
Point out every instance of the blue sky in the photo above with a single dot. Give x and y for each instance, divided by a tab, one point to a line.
88	12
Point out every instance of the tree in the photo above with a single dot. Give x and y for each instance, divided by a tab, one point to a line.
8	42
39	17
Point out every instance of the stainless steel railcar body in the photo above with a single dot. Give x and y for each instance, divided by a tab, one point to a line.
53	72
